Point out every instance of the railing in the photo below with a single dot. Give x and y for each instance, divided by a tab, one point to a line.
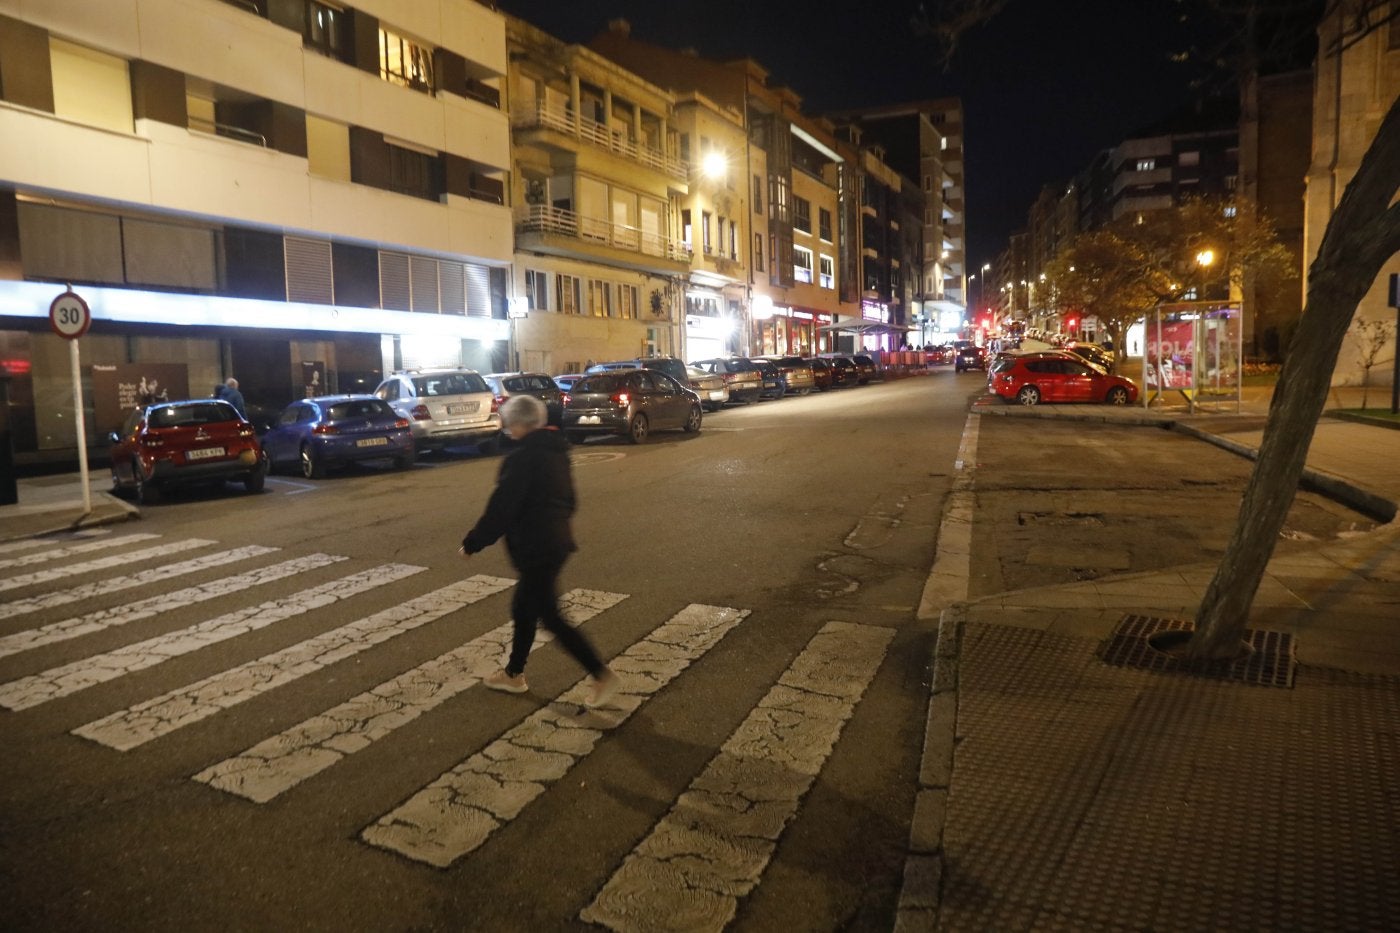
227	130
540	218
599	135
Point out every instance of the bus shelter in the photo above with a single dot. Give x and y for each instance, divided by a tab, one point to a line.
1194	349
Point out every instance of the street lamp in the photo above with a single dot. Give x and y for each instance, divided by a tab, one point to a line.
714	165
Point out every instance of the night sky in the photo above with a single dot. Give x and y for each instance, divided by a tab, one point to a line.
1045	84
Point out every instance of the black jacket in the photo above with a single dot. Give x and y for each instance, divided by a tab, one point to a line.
532	503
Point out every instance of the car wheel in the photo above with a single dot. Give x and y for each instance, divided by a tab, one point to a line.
692	424
311	465
637	429
1029	395
145	491
1117	396
256	480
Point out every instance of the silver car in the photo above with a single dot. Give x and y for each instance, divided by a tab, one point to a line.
445	407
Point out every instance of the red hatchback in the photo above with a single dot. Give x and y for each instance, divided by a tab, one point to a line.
177	443
1056	376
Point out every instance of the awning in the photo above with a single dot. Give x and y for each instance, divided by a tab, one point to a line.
856	326
941	304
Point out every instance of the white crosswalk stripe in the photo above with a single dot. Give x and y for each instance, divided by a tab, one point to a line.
29	544
714	845
79	675
102	563
308	748
164	714
130	612
29	560
461	809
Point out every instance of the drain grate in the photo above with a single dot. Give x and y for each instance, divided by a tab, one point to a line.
1269	664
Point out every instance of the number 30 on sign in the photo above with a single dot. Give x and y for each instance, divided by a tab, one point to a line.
69	316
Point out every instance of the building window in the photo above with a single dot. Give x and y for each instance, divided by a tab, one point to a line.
758	252
566	290
415	173
1231	181
758	194
627	301
404	62
824	224
536	290
686	235
719	234
1188	159
801	214
827	275
599	298
325	29
1146	165
778	198
705	232
1230	210
685	147
802	264
928	183
734	241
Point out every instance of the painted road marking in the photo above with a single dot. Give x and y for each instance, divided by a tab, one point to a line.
280	763
154	718
79	675
120	615
103	563
462	808
714	845
28	560
25	544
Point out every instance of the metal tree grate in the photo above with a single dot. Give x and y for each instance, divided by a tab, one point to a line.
1270	663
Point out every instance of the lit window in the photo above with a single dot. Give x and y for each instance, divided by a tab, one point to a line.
566	288
705	232
1230	210
802	264
758	252
404	62
536	290
1146	165
827	277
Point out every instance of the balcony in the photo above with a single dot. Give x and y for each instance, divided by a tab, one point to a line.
596	134
558	232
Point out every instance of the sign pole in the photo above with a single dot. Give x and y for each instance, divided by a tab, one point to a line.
70	318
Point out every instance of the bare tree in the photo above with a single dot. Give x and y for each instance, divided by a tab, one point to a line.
1362	233
1371	337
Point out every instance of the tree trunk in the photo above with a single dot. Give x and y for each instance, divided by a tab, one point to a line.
1364	231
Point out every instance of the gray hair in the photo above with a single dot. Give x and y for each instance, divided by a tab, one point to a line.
524	410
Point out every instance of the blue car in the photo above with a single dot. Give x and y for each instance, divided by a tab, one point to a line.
334	430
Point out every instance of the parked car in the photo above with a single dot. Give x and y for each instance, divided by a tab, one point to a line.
1055	376
772	376
821	374
865	368
968	356
320	434
1092	352
711	387
565	381
444	407
740	375
176	443
843	370
538	385
798	378
630	402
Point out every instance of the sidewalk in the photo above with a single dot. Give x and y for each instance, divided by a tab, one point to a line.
1067	786
49	504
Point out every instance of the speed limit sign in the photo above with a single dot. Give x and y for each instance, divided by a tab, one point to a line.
69	316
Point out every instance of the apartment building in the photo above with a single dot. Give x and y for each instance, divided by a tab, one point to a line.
790	164
603	244
301	195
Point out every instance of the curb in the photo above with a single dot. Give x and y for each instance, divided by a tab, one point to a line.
103	513
1387	423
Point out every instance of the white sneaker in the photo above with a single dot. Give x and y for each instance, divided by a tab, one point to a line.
506	683
603	689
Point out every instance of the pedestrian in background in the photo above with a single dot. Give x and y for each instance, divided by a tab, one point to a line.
531	506
233	396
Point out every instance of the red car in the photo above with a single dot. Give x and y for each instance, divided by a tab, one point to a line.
1056	376
176	443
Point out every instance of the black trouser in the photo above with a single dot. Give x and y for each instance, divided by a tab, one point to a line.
537	600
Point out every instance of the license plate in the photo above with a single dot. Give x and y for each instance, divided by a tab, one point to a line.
204	453
588	419
463	408
372	442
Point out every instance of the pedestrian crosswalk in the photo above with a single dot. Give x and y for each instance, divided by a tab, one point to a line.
700	858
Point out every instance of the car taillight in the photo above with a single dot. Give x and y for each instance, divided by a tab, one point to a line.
246	430
565	399
325	429
496	403
621	399
420	413
401	423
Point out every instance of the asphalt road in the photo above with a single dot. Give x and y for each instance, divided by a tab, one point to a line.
297	738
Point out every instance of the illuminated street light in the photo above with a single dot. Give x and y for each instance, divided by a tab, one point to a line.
1205	257
714	164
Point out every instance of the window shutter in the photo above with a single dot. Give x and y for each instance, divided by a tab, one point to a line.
309	275
393	282
478	290
424	277
452	279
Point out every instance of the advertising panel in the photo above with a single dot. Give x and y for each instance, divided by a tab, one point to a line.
118	388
